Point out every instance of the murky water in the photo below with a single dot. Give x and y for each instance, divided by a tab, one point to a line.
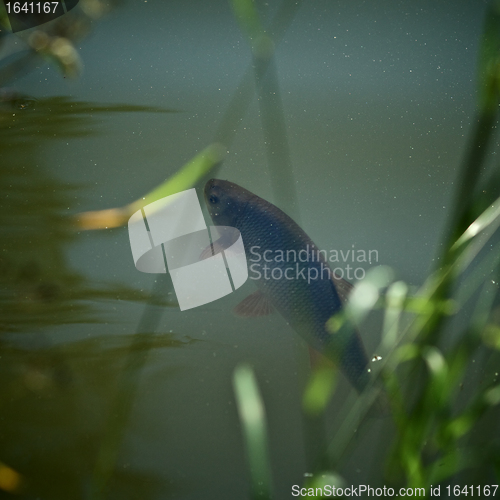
378	100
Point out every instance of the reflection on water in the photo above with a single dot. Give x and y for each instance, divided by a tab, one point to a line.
55	403
39	288
57	399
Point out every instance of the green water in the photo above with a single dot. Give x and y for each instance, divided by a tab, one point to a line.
105	384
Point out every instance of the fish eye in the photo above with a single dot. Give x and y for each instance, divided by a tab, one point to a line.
213	199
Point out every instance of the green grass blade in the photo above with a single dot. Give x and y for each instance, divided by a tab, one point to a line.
489	60
319	390
253	421
191	173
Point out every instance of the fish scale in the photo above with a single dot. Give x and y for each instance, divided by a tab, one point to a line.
306	304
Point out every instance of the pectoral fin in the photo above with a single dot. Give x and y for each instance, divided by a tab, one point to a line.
254	305
213	249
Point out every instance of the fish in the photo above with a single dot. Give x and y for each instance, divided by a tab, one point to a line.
292	276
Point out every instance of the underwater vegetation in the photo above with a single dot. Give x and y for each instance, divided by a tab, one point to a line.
444	415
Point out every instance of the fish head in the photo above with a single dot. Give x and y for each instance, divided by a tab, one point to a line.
226	201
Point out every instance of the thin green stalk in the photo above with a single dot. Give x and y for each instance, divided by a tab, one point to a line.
253	421
121	406
463	214
270	105
244	93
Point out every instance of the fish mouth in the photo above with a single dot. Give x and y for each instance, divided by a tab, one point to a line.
216	186
212	189
209	185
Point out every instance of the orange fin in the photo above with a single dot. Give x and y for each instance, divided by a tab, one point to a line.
254	305
213	249
207	252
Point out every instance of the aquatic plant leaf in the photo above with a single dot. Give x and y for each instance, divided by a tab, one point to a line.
491	336
476	276
269	100
491	215
489	60
395	299
253	421
185	178
435	361
248	18
449	465
492	396
125	395
60	117
406	352
324	478
335	323
364	297
4	18
461	425
319	390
